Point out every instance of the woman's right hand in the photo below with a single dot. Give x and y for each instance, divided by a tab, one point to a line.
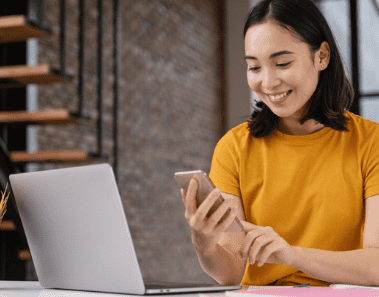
206	231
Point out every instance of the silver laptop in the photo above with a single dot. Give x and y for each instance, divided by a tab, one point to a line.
78	235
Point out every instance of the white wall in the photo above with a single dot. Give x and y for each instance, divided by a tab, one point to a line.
369	58
337	15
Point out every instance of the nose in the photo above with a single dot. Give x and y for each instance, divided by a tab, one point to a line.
270	80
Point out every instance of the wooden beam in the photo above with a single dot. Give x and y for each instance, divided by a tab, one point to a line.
17	28
7	225
21	75
51	116
70	156
24	255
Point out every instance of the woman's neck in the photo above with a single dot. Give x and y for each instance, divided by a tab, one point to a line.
292	126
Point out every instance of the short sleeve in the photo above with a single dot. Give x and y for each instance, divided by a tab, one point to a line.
224	171
371	170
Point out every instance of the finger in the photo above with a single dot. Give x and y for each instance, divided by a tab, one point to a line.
248	241
267	252
209	202
191	197
259	246
220	212
227	221
248	226
183	193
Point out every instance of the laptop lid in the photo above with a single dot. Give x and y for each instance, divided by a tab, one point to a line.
77	230
78	234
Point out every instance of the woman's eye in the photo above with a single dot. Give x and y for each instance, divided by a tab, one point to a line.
254	69
283	65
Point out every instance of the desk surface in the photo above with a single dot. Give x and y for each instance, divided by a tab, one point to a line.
34	289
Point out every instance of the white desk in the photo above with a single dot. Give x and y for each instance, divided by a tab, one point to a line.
34	289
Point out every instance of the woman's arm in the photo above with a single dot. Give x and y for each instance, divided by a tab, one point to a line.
224	266
357	267
214	247
224	262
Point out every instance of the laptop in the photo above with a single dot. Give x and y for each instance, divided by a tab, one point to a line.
78	234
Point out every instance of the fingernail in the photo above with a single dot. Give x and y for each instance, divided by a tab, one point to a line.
259	264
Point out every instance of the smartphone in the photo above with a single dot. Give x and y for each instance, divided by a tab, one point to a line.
205	187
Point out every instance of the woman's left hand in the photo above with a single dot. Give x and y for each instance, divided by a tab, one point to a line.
264	245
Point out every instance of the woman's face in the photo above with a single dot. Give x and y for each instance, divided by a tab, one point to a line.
281	69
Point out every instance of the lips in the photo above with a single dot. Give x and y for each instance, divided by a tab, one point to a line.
279	97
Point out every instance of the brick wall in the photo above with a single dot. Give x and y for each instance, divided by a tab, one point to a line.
169	116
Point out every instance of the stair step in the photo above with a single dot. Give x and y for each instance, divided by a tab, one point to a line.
24	255
18	28
51	156
7	225
21	75
51	116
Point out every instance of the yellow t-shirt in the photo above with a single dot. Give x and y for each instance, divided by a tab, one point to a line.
310	189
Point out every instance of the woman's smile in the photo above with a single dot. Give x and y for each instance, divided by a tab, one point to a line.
279	98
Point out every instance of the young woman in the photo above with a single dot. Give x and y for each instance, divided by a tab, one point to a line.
302	174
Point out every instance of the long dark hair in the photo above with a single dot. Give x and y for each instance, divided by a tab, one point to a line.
334	93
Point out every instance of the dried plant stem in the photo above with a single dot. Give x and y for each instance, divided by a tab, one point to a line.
3	202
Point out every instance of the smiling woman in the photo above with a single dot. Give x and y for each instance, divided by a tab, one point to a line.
276	27
283	72
302	174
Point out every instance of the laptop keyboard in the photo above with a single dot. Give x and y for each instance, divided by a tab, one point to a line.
158	285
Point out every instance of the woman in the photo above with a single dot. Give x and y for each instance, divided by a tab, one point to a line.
302	175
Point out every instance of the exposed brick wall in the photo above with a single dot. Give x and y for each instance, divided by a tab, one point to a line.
169	116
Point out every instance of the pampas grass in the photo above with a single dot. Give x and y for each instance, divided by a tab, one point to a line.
3	203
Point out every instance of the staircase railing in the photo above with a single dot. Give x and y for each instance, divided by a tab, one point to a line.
35	17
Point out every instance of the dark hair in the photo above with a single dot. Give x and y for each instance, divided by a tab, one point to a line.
334	93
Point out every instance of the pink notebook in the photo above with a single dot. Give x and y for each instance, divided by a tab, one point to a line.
305	292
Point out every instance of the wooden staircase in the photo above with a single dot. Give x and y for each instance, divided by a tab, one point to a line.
8	225
13	245
19	28
21	75
14	29
59	116
67	156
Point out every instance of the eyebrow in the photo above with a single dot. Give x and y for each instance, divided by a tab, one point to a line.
271	56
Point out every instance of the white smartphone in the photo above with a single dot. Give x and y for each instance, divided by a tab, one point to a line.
205	187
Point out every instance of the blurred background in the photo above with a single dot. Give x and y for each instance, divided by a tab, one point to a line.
148	86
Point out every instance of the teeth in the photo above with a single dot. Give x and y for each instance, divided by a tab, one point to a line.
277	97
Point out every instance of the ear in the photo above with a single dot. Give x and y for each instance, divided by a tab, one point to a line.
322	56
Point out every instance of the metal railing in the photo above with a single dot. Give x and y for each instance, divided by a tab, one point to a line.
35	15
100	71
